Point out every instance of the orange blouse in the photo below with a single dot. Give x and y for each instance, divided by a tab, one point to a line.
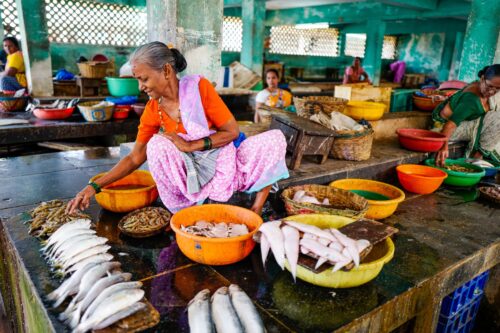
216	112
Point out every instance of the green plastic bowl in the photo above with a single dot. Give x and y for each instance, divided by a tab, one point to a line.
457	178
123	86
371	195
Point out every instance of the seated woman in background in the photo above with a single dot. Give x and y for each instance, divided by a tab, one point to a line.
13	78
471	115
272	95
355	73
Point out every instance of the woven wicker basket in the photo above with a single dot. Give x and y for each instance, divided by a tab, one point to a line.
91	112
352	145
93	69
265	113
483	193
307	106
12	104
342	202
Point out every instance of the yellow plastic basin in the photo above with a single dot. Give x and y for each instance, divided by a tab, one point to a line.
377	209
381	254
364	110
117	198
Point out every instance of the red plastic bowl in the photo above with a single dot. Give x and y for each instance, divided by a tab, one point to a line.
121	111
421	140
53	114
419	178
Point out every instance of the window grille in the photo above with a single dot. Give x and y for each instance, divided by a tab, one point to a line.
389	47
232	34
314	42
355	45
96	23
10	19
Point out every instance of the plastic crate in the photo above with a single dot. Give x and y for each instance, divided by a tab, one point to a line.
401	100
463	320
463	295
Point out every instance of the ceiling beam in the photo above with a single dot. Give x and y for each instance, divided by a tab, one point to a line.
417	4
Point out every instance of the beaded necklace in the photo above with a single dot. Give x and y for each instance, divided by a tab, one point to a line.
162	125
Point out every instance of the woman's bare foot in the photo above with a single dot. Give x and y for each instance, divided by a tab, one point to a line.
260	200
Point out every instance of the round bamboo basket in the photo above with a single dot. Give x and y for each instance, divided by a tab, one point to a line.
352	145
342	202
93	69
307	106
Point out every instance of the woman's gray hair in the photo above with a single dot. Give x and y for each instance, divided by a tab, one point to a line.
156	55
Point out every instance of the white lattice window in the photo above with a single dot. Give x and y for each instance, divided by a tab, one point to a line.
355	45
232	34
288	39
389	47
91	22
10	19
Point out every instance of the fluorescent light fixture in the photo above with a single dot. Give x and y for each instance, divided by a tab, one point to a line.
322	25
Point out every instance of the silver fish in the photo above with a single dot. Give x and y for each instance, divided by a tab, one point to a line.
67	228
223	314
110	306
95	290
99	249
63	247
349	243
61	238
90	278
275	238
68	287
120	315
292	238
264	248
108	292
80	247
199	317
321	250
247	312
97	259
312	230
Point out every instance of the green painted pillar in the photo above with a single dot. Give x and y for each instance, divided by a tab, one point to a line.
36	46
481	37
372	62
194	27
253	14
447	56
457	55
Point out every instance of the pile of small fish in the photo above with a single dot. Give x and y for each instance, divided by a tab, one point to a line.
58	104
49	216
216	230
145	219
288	238
306	197
459	168
231	310
102	293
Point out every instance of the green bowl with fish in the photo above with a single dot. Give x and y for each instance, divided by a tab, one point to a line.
460	173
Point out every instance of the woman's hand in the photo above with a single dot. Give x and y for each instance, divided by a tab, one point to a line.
442	155
180	143
81	201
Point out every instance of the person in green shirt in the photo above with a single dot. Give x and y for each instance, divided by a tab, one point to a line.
470	115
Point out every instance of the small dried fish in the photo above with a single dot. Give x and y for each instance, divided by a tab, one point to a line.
50	216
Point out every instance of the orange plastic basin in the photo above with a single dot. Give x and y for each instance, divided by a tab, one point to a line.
215	251
122	200
419	178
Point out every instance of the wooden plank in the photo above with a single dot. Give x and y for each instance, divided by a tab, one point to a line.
243	77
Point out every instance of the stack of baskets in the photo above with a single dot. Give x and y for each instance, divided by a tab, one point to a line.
93	69
342	202
352	145
310	105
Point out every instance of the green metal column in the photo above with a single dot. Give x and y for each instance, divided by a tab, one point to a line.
372	62
480	38
447	56
253	14
194	27
36	46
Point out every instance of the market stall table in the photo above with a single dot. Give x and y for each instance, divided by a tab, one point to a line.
445	240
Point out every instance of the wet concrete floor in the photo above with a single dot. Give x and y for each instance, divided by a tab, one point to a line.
448	236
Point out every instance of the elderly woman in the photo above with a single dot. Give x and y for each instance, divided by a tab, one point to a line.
272	95
470	115
186	133
13	78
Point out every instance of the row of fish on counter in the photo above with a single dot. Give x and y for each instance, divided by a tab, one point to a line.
230	310
102	293
286	239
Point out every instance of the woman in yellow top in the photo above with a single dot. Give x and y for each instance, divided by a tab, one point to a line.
272	95
13	78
